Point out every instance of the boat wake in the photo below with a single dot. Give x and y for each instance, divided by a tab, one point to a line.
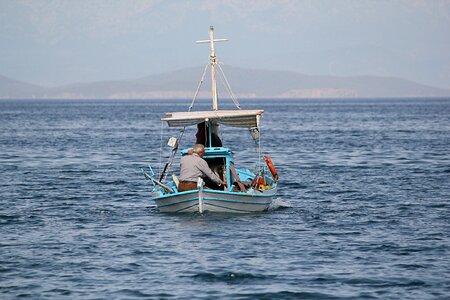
279	203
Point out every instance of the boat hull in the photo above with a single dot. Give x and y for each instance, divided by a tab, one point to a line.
215	201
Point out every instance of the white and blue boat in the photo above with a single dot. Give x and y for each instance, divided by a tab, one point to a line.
246	191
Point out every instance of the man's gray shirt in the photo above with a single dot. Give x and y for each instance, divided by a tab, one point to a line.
193	166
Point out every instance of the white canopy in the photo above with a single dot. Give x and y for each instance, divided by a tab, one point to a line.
234	118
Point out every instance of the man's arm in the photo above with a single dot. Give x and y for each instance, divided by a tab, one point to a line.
207	172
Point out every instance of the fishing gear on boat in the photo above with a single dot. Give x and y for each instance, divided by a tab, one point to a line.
173	142
175	146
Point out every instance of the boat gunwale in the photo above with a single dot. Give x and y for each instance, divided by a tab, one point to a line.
229	210
217	192
215	199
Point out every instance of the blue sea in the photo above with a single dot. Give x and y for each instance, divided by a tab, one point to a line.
363	210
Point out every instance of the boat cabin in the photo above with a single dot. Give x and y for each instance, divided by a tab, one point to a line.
220	161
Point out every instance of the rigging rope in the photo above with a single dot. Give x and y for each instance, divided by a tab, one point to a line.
259	149
160	150
180	135
198	88
228	87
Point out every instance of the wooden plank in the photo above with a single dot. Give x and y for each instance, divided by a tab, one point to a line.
238	180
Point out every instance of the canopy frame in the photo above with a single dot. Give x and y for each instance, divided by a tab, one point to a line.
233	118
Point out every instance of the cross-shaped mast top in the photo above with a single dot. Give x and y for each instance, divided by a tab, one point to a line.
213	61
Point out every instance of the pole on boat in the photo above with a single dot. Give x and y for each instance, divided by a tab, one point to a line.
213	61
200	194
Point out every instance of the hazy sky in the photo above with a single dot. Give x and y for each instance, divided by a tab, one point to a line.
54	42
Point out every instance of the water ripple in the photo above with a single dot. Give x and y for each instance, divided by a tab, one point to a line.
362	210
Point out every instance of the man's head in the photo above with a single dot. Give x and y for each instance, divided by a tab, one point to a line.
199	149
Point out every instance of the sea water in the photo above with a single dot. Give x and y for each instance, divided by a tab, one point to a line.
362	212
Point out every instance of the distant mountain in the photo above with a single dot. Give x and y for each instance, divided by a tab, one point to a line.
244	82
14	89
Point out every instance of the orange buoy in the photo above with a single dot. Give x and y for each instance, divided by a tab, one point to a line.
271	167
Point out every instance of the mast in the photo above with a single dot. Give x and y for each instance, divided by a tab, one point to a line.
213	62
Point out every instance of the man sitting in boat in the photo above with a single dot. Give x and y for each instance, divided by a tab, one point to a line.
194	166
202	137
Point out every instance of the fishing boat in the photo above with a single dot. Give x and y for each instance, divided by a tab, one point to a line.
246	191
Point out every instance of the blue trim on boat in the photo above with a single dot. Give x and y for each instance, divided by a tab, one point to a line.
216	192
196	204
231	209
238	193
215	199
235	201
176	194
179	202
